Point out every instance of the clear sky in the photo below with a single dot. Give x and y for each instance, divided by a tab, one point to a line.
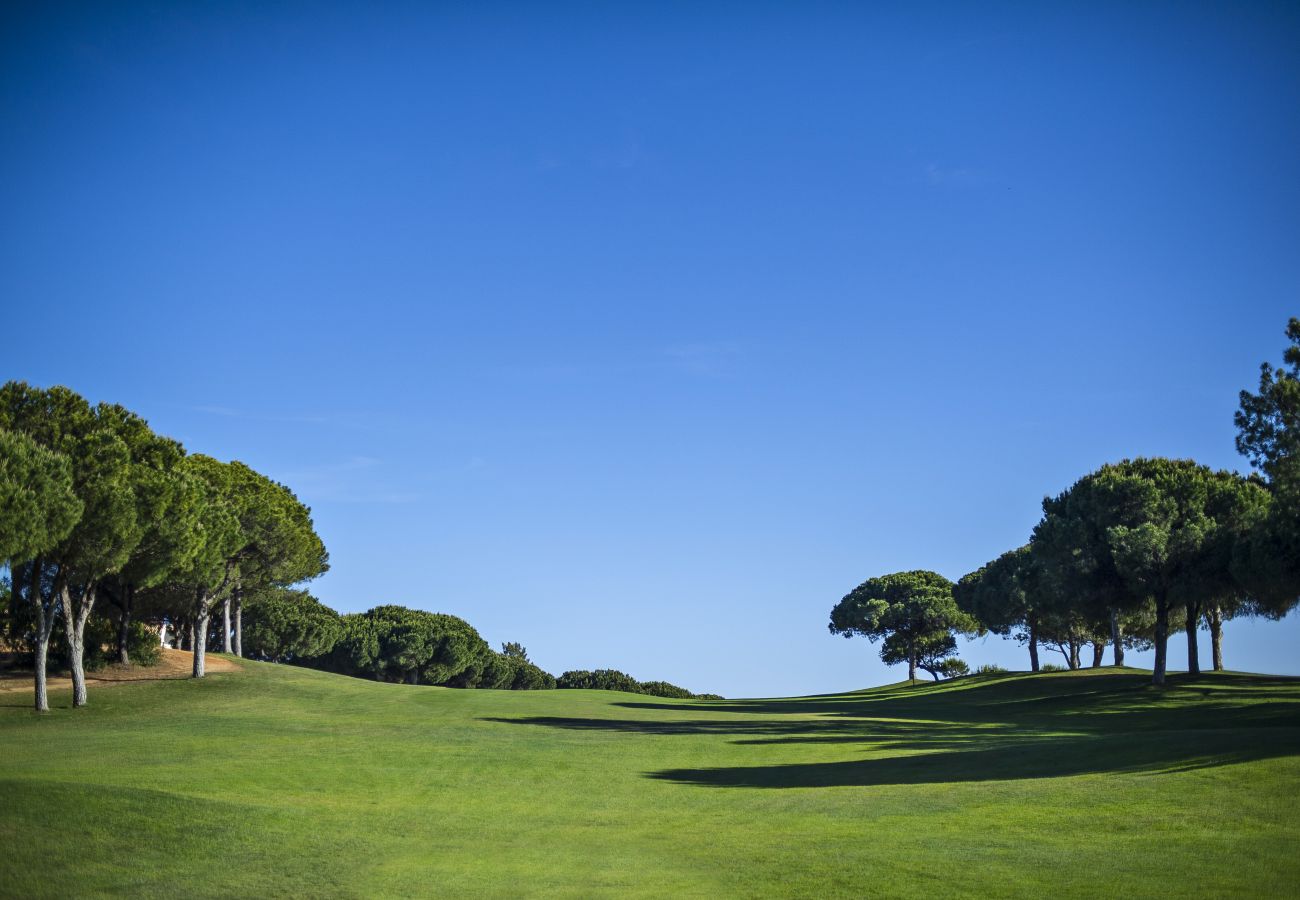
642	333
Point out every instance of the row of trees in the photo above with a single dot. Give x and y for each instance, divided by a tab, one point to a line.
1119	557
101	517
94	504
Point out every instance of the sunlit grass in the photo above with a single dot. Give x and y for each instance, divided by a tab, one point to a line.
283	781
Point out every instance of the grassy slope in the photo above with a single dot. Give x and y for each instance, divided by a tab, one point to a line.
284	781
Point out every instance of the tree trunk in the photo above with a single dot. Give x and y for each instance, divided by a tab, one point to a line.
1214	618
1193	651
1033	646
42	651
162	634
1074	655
44	625
45	617
1098	651
124	624
199	630
1117	638
239	621
1162	639
911	665
225	624
75	614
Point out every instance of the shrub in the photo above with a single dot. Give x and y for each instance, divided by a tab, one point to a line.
282	625
142	645
990	669
709	697
529	677
1052	667
953	668
664	689
599	680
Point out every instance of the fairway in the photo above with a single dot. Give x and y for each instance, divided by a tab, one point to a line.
283	781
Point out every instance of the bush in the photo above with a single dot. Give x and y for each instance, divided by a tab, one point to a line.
142	645
282	625
1052	667
953	668
989	669
614	680
664	689
529	677
599	680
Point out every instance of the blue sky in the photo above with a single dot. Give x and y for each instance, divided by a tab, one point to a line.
641	333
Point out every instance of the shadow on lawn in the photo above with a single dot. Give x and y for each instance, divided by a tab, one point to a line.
995	729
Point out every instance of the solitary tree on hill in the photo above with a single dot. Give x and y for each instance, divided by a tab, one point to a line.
914	613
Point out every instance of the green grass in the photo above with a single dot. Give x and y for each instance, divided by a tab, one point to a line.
282	781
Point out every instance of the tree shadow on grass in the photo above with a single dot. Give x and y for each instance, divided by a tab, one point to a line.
1044	757
998	729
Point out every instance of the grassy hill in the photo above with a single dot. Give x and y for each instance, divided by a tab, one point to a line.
276	780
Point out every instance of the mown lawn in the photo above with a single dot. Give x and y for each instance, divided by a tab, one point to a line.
283	781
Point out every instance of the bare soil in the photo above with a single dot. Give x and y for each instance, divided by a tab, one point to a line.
174	664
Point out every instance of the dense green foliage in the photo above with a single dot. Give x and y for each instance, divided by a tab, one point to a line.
614	680
1001	786
1269	435
38	504
913	614
283	625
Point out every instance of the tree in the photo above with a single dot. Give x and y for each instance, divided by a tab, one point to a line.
1148	531
394	643
165	513
285	625
1268	425
514	650
105	479
1003	597
280	546
598	680
38	505
913	612
216	539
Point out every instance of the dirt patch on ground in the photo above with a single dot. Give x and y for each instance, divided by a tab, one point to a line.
174	664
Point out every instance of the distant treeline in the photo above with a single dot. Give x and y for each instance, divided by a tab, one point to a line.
394	643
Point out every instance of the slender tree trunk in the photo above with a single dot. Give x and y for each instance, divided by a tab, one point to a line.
162	634
1074	655
75	614
200	632
1162	639
225	624
911	665
42	652
1098	651
239	621
45	618
1193	651
1214	618
1117	638
1033	646
124	624
44	625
